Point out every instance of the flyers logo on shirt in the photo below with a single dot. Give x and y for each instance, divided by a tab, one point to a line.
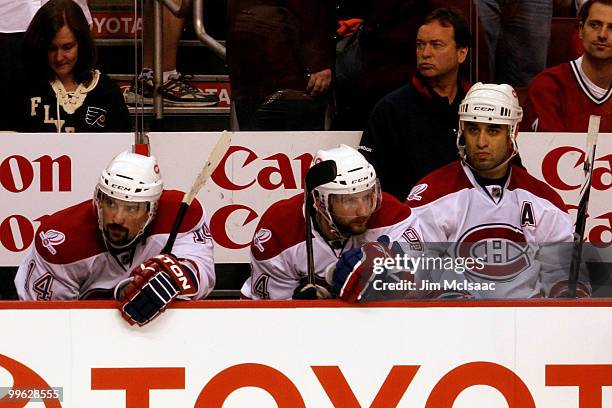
95	116
263	235
51	238
503	248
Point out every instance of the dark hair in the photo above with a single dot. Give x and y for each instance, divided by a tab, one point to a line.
583	14
451	17
44	26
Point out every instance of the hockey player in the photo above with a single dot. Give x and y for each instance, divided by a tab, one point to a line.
111	246
347	212
514	227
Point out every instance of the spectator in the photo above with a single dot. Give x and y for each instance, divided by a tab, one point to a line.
517	35
563	97
64	92
16	16
411	131
384	52
280	55
175	88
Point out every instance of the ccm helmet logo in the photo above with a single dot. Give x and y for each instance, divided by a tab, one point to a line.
118	187
484	108
359	180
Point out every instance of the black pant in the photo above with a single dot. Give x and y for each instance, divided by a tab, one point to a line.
281	115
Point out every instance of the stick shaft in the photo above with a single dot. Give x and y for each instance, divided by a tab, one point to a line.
319	174
309	248
583	204
215	157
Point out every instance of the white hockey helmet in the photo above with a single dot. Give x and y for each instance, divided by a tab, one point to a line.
130	177
354	174
490	103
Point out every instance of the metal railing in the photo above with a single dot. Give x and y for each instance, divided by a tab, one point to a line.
200	30
179	10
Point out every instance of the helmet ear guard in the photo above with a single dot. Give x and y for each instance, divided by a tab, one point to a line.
130	177
354	175
490	103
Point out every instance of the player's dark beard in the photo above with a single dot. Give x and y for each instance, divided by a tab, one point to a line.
117	229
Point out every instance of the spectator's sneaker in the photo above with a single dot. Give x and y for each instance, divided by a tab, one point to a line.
144	83
177	91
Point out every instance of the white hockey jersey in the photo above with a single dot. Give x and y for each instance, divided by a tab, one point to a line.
278	249
518	236
70	261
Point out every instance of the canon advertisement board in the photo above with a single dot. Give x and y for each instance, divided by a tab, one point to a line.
40	174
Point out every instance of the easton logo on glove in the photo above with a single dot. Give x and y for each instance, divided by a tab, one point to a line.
154	284
177	270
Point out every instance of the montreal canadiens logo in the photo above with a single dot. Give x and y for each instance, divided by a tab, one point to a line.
51	238
263	235
501	247
415	193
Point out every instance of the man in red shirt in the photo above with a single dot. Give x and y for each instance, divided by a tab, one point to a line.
563	97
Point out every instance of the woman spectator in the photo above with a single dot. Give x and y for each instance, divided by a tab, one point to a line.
64	92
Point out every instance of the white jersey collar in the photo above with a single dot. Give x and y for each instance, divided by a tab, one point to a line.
593	92
494	191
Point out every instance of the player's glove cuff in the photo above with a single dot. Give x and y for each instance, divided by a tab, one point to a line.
154	284
337	274
183	276
562	290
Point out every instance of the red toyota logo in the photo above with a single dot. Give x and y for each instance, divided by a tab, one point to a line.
24	378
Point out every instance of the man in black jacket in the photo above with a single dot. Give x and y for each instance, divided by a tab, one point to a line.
411	131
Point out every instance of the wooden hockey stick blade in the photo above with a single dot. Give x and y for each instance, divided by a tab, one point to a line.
589	159
589	153
215	157
593	132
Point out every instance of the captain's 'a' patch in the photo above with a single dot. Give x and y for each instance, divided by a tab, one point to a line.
527	215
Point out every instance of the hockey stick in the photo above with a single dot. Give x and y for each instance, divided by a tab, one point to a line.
321	173
583	205
217	153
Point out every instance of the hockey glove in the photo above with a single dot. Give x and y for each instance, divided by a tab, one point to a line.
357	268
343	269
153	285
562	290
310	292
449	294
